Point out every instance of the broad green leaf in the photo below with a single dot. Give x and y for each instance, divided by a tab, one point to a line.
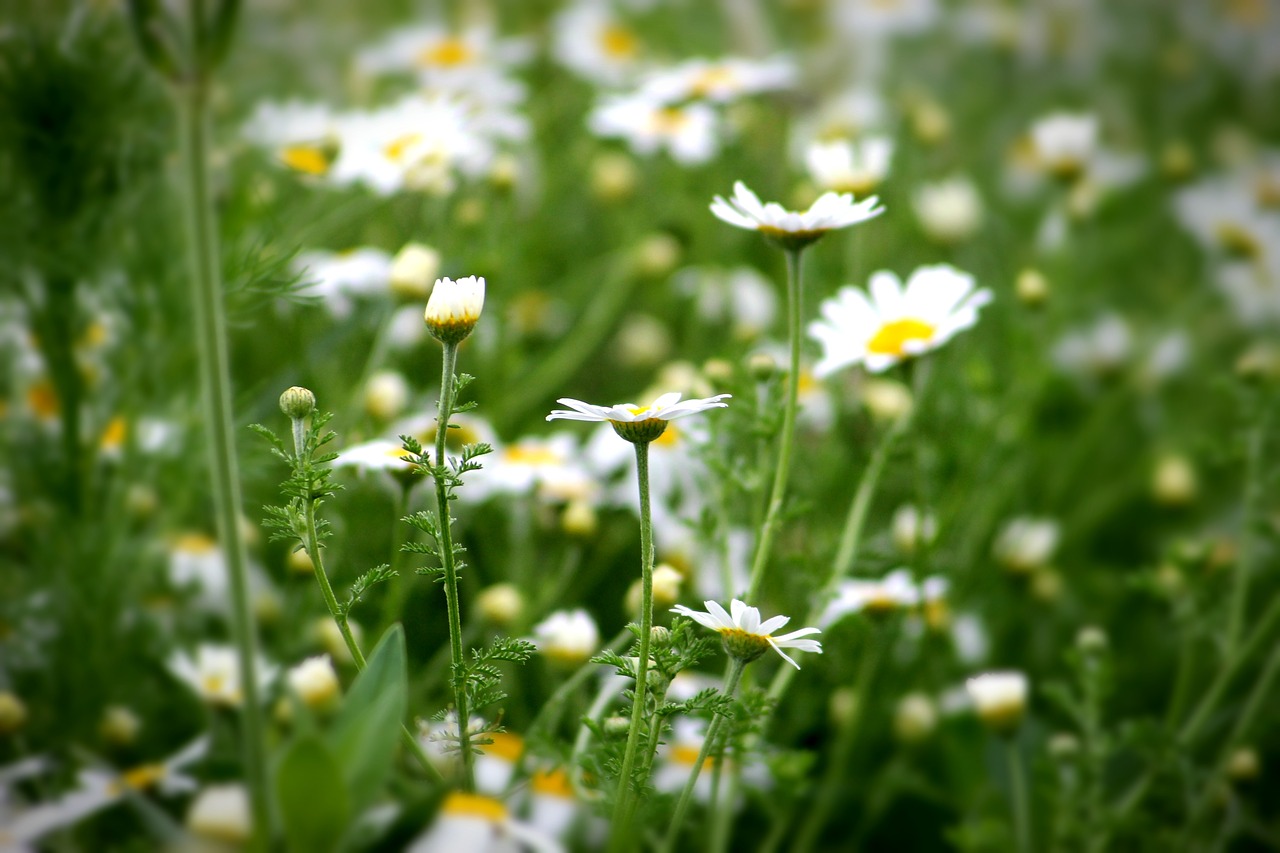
312	796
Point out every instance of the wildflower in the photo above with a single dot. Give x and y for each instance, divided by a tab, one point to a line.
1032	287
444	58
338	277
689	133
568	636
413	270
477	823
745	637
1026	544
1096	351
297	402
579	518
1174	481
915	718
638	424
315	682
304	137
553	806
740	298
13	713
1000	698
454	308
590	41
843	165
549	465
386	394
377	455
791	229
1243	764
719	81
895	591
887	400
913	529
666	588
214	674
500	603
120	725
221	813
949	211
613	176
894	324
1065	142
326	634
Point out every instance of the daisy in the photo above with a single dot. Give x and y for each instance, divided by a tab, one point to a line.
690	133
1026	544
593	43
444	58
568	636
949	211
1000	698
843	165
454	308
791	229
478	823
1064	143
718	81
338	277
745	637
894	591
894	324
304	137
377	455
214	674
638	424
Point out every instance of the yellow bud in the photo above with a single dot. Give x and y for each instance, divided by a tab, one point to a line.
13	713
500	604
1032	288
613	177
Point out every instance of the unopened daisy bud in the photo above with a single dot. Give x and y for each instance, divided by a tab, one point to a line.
643	340
316	683
657	255
613	177
915	718
887	400
221	813
500	604
140	501
579	519
660	636
297	403
1000	699
13	713
1174	481
930	122
1177	161
504	172
718	371
666	585
1032	288
1260	363
762	367
299	562
331	640
469	212
1046	585
1026	544
454	308
386	394
842	707
568	637
119	726
1064	746
1169	579
1244	765
1091	640
413	271
616	727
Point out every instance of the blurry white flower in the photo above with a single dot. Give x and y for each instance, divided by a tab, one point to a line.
316	682
590	40
414	270
454	308
325	633
377	455
872	20
719	81
551	466
120	725
221	813
790	228
637	423
496	760
406	329
1174	482
745	637
1026	544
886	399
214	673
740	297
553	807
1095	351
1000	698
304	137
339	277
386	394
949	211
1065	142
567	636
689	133
500	603
913	529
895	324
679	754
850	166
895	591
444	59
479	824
915	718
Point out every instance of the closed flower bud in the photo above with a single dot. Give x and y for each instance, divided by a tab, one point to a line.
659	636
119	726
579	519
13	713
316	683
843	705
1091	640
886	399
386	395
657	255
1032	288
1177	161
915	718
666	585
299	562
454	308
413	271
616	727
500	604
1000	699
504	172
1243	765
221	813
762	367
718	371
913	529
613	177
1174	482
1064	746
297	402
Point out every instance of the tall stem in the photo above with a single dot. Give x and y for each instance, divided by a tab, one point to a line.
445	543
211	345
785	443
1018	796
732	677
1248	537
621	809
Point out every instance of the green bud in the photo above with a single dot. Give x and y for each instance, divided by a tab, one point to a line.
297	402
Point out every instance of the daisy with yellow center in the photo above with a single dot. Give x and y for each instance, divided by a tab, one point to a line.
638	424
893	324
454	308
793	229
745	637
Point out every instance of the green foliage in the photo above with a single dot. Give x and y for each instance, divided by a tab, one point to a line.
312	796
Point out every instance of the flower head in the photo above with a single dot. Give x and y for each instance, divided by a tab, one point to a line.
791	229
638	424
999	698
745	637
568	636
894	324
454	308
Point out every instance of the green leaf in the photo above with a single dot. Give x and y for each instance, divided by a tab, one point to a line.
365	732
312	796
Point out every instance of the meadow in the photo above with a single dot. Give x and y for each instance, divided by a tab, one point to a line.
810	425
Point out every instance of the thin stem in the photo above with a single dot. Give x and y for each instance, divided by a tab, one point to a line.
785	444
312	544
621	831
211	345
594	713
1018	798
1248	537
732	677
445	544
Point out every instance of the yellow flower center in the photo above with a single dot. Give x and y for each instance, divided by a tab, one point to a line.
474	805
396	148
554	783
711	79
683	753
1248	13
308	159
619	42
893	337
449	53
531	455
669	438
114	435
195	543
505	745
1237	241
398	453
668	120
143	776
43	400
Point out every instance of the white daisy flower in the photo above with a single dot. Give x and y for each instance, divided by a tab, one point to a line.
949	211
443	58
1000	698
377	455
689	133
793	229
849	166
551	466
454	308
894	591
719	81
592	42
745	637
568	636
304	137
481	824
1065	142
638	423
214	673
895	324
340	277
1026	544
221	813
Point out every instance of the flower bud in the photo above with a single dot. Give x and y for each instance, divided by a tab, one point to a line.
913	529
666	585
1000	699
1092	640
915	718
719	371
1243	765
13	713
454	308
1064	746
579	519
297	402
414	270
613	177
1032	288
659	636
504	172
1174	482
887	400
316	683
119	726
1177	161
842	707
221	813
762	367
299	562
386	395
616	727
657	255
500	604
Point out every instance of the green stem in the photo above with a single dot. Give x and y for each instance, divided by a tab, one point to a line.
57	332
1018	798
445	543
785	445
732	677
211	344
594	713
1244	567
312	544
621	831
